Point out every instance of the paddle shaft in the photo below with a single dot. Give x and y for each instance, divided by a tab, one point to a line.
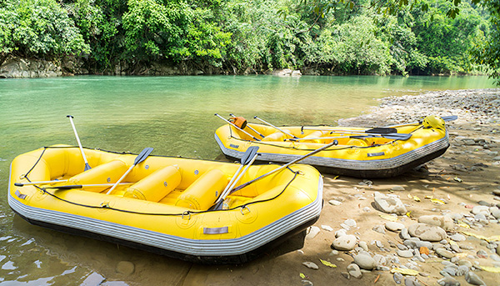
267	123
85	186
87	166
39	183
235	126
282	167
395	136
141	157
226	192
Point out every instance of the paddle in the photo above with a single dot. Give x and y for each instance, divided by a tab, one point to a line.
283	167
247	159
376	130
141	157
87	166
39	183
395	136
282	131
83	186
236	126
232	115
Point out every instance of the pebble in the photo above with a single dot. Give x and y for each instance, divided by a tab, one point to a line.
379	229
350	222
334	202
457	237
444	253
327	227
346	275
424	250
427	232
312	232
444	222
363	245
398	277
380	260
397	188
482	254
448	281
340	232
389	204
404	234
394	226
411	281
485	210
473	278
404	253
310	265
365	261
354	271
125	267
345	242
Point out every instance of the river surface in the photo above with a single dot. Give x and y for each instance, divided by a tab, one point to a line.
175	116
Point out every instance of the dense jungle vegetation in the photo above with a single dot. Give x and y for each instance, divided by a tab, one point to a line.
238	36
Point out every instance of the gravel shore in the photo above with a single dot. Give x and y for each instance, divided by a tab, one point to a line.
436	225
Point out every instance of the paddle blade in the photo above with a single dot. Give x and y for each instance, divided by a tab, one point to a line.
143	155
87	167
249	154
397	136
450	118
382	130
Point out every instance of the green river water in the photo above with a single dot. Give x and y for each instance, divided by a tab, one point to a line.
175	116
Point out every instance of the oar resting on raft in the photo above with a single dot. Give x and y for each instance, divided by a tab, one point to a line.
247	159
237	127
395	136
282	167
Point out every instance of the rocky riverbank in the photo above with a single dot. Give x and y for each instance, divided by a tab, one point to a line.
437	225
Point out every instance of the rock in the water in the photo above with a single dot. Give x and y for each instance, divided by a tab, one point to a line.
427	232
125	267
365	261
394	226
345	242
310	265
312	232
473	278
354	271
444	222
389	204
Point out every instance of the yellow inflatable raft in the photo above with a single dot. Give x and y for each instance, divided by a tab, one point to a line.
359	152
165	205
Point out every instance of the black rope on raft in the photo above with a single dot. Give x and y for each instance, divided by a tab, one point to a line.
106	206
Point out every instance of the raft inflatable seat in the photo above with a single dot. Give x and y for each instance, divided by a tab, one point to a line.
316	134
203	192
156	186
276	136
102	174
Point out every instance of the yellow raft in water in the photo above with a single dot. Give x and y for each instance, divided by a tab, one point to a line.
164	204
358	152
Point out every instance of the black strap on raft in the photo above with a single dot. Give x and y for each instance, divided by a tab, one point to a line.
106	206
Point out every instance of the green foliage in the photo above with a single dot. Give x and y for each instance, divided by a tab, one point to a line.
239	36
38	28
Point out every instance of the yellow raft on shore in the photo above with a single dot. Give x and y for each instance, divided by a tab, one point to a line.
358	152
165	204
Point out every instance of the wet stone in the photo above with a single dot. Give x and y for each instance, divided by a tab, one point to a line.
345	242
365	261
125	267
474	279
354	271
427	232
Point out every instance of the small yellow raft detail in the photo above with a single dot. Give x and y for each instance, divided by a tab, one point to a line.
164	204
